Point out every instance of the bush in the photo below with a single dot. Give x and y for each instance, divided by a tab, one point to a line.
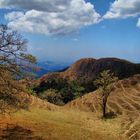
57	90
52	96
30	91
10	89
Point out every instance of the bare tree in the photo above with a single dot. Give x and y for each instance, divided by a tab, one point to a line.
14	60
13	51
105	84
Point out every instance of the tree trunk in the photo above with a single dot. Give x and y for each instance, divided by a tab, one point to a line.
104	107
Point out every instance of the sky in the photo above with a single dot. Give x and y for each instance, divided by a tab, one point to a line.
67	30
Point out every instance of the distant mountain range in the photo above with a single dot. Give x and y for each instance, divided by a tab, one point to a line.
50	66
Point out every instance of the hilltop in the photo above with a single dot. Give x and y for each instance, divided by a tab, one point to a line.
90	68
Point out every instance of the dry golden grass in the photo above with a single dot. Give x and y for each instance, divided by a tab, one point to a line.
124	101
81	119
66	125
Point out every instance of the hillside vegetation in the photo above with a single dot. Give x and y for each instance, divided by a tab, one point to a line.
124	102
81	118
62	87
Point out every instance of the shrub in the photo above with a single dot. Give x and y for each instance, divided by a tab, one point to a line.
61	89
52	96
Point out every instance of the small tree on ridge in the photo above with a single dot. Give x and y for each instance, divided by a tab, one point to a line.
105	84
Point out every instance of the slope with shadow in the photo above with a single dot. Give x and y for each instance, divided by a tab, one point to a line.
124	101
35	102
90	68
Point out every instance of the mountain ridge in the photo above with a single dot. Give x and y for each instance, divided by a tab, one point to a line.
90	68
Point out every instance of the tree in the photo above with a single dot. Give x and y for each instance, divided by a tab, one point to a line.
105	83
52	96
13	52
14	60
68	90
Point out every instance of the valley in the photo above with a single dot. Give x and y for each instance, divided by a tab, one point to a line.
67	105
81	119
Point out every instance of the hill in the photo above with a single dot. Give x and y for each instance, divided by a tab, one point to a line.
79	119
81	75
44	121
90	68
124	101
34	102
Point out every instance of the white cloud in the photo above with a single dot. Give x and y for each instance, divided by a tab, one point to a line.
50	17
40	5
123	9
138	23
14	15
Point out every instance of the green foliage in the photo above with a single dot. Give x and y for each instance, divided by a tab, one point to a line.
28	57
105	83
68	90
31	91
86	83
52	96
77	89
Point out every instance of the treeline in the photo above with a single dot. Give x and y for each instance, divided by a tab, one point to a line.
59	91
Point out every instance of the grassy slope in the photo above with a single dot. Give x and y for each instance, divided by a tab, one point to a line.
79	120
67	125
124	101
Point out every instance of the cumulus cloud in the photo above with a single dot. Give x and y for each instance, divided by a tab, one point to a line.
50	17
123	9
40	5
138	23
14	15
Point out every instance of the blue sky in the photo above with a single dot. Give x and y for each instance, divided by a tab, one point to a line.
108	35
